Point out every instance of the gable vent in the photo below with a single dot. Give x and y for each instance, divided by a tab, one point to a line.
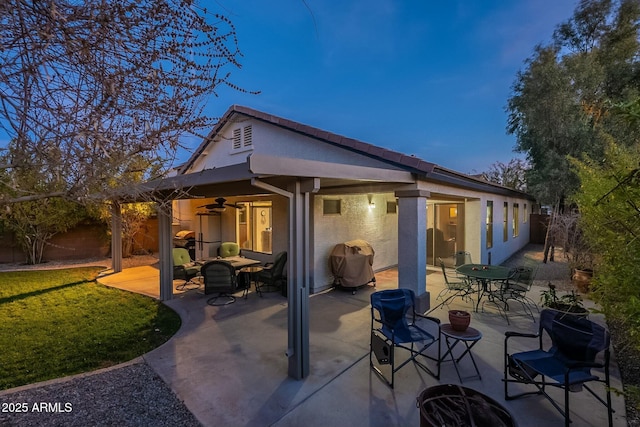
248	132
237	141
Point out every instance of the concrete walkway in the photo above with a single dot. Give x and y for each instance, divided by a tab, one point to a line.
228	366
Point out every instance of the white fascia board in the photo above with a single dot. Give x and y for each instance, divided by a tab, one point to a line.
268	165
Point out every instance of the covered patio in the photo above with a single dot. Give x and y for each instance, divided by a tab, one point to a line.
296	167
227	363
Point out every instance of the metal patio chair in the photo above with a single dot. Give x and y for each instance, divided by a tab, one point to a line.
458	287
221	280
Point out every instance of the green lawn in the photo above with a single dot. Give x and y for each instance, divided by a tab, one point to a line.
62	322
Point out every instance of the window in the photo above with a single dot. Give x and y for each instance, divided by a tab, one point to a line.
489	224
392	207
254	226
505	222
331	207
525	214
516	219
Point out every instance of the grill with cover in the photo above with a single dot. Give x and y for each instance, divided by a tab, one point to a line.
352	264
186	239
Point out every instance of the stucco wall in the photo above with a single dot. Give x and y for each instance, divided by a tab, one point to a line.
501	249
356	221
473	237
277	142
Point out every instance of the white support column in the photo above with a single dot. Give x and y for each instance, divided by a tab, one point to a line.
165	245
116	237
412	245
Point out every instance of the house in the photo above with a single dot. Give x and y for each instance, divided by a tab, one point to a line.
291	187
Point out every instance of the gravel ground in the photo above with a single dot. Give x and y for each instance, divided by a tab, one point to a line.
133	395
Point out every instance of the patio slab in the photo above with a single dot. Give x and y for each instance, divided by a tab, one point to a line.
228	365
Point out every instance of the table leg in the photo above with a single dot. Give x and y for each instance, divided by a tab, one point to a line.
482	289
455	361
258	288
247	278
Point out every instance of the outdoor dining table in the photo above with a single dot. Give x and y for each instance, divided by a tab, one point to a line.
237	262
484	275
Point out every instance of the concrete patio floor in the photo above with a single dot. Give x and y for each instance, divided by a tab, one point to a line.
228	365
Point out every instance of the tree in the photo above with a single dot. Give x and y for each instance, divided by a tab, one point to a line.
85	87
561	102
134	218
36	222
510	175
609	204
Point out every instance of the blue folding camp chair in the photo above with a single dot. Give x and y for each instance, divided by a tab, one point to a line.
566	364
393	325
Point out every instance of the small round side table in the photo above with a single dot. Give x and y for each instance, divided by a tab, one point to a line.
452	337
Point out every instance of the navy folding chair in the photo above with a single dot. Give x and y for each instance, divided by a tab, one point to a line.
394	326
567	363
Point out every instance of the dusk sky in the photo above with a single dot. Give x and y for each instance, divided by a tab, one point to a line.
421	77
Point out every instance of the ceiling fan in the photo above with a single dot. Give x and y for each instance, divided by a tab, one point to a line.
220	205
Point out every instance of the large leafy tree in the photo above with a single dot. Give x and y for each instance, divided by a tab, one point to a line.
35	222
510	174
561	101
609	203
89	88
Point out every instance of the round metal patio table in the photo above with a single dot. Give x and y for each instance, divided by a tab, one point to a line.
484	275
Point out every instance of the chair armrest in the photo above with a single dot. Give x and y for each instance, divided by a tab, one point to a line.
580	365
510	334
515	334
433	319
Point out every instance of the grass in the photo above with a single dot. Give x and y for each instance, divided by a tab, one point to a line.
62	322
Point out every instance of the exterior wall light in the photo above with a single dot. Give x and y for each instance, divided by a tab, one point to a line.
371	202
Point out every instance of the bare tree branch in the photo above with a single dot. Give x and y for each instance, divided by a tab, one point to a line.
88	89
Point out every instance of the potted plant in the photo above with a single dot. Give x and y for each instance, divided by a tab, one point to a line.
569	303
580	256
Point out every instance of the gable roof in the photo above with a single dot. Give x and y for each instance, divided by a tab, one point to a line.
423	169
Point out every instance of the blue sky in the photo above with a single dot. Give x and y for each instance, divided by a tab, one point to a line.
429	78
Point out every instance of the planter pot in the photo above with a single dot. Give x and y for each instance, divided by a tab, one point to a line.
459	320
571	310
582	279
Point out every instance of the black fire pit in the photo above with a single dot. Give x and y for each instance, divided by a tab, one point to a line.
454	405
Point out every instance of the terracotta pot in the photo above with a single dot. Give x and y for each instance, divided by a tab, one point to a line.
459	320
